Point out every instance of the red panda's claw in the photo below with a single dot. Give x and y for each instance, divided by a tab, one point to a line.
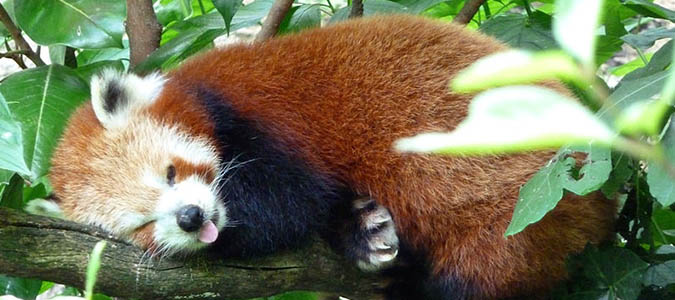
377	244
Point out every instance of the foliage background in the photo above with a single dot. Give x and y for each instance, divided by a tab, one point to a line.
83	37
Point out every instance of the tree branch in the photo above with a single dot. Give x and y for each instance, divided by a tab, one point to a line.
273	20
58	250
469	9
357	9
143	29
18	38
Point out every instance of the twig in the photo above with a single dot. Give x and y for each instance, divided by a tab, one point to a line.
357	9
58	251
143	29
274	18
469	9
18	38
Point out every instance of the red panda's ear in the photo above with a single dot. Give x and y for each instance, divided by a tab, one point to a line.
116	95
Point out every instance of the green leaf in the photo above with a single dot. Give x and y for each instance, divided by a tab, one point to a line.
303	17
198	33
662	219
607	46
12	196
295	296
21	288
87	71
42	99
418	6
614	14
658	63
11	142
227	9
92	268
169	11
545	189
86	57
630	66
516	67
516	118
617	270
661	274
252	13
575	25
57	54
660	183
183	45
76	23
647	38
643	118
639	89
520	31
370	8
650	9
621	173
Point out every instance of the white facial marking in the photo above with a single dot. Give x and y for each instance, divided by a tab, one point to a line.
191	191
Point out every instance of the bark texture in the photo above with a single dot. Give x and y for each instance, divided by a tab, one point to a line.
273	20
57	250
469	9
143	29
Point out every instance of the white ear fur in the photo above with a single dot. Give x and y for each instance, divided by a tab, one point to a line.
116	95
44	207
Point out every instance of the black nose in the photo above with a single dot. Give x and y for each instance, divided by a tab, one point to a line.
190	218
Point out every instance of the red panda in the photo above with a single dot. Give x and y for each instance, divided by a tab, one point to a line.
252	146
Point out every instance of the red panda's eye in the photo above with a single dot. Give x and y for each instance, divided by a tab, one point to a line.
171	175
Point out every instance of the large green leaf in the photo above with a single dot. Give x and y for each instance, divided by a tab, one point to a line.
647	38
11	141
575	25
661	274
617	270
418	6
169	11
370	8
227	8
76	23
87	71
515	118
647	8
543	191
12	196
661	60
22	288
184	44
302	17
251	14
42	99
198	33
662	220
660	181
521	31
86	57
516	67
639	89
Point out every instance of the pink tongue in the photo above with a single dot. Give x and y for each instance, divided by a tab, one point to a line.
208	233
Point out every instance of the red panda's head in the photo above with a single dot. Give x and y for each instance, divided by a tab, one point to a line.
134	173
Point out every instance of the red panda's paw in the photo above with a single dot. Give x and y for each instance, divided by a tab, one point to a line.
372	242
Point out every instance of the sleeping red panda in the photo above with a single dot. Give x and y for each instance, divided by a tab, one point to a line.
251	147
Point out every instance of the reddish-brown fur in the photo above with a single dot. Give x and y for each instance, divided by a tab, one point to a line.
339	97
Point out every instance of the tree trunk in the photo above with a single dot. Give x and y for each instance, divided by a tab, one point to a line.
57	250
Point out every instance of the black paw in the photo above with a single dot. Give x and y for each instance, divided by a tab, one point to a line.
371	239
